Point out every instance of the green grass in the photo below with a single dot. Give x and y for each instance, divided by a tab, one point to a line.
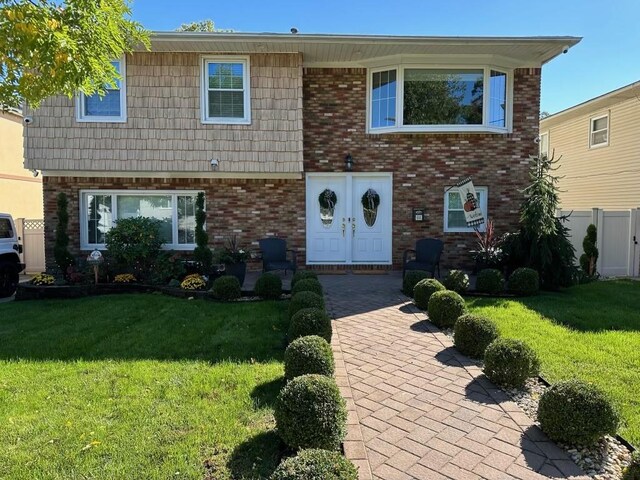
139	386
590	332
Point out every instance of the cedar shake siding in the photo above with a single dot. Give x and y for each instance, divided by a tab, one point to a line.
333	121
164	131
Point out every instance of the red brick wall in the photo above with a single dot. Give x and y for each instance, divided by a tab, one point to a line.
422	164
334	125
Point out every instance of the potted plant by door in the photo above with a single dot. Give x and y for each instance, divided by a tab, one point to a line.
489	252
234	258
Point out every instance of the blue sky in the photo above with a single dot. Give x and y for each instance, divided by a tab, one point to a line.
607	58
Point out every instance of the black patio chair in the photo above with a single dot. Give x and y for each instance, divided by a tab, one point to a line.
274	255
426	256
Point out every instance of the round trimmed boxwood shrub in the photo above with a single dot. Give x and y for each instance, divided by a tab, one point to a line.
445	307
311	413
411	277
302	275
490	280
226	288
509	362
632	472
472	334
524	281
424	289
456	280
310	321
268	286
576	412
316	464
305	300
310	354
307	285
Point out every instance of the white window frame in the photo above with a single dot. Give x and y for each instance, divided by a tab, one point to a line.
540	152
401	128
84	233
592	121
122	118
204	90
484	202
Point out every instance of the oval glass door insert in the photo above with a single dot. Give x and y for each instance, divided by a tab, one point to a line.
370	204
327	200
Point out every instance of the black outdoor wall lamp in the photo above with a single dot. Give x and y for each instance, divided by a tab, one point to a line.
348	162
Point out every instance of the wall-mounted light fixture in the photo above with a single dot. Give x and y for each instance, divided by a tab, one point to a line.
348	162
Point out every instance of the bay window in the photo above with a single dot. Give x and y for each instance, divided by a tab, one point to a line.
175	212
427	99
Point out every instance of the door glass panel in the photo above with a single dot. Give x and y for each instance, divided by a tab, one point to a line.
370	203
327	200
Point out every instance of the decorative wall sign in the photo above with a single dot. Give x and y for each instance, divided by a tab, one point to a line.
471	206
370	202
327	200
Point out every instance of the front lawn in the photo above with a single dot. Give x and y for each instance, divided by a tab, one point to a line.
590	331
139	386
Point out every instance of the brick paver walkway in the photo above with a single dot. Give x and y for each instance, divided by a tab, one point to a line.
417	408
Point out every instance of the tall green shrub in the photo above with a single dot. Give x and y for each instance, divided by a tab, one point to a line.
542	242
202	253
135	243
590	256
63	258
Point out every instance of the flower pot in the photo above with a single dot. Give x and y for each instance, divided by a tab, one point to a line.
238	270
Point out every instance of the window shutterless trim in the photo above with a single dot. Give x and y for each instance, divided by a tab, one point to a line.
84	233
484	202
592	121
122	118
204	90
399	127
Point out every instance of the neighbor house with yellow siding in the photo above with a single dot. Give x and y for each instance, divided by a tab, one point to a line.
20	192
598	143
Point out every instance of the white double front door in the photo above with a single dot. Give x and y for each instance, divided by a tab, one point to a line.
349	218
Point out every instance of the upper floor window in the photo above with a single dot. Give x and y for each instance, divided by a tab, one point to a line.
599	131
225	90
419	99
111	107
544	145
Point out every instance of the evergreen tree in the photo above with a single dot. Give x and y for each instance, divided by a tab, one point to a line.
202	253
63	258
590	256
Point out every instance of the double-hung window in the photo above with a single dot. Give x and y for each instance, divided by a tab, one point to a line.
427	99
599	131
454	219
174	210
112	107
225	90
544	145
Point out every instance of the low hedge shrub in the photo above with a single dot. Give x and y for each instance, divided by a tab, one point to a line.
456	280
576	412
472	334
490	280
632	472
424	289
311	413
524	281
315	464
268	286
226	288
411	277
305	300
310	321
509	362
310	354
307	285
445	307
302	275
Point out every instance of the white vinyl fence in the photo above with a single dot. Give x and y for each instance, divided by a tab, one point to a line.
31	232
618	238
